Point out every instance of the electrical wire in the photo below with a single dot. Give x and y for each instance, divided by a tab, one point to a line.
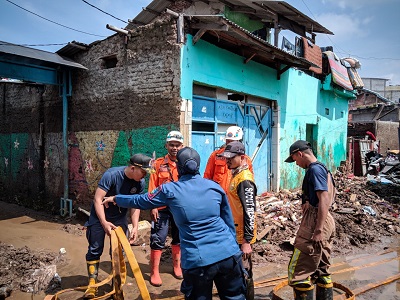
54	22
32	45
104	12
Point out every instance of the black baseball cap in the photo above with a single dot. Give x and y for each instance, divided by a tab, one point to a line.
299	145
233	149
143	161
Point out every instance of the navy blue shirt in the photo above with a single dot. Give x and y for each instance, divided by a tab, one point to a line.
114	182
315	179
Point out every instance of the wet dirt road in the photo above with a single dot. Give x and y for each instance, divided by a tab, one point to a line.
22	228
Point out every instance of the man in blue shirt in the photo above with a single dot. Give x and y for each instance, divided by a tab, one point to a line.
209	251
310	261
126	180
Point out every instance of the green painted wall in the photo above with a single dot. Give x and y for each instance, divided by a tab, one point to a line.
298	95
243	20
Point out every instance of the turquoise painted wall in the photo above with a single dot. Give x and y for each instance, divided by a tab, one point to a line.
305	103
209	65
299	97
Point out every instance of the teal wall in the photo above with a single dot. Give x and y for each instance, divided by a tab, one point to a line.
209	65
298	95
305	103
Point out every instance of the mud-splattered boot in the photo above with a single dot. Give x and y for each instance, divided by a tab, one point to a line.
93	271
306	293
324	289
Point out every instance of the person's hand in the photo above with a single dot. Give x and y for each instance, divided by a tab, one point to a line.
154	214
246	249
133	235
108	226
305	207
317	235
108	200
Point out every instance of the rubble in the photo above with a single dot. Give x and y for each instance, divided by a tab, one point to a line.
364	213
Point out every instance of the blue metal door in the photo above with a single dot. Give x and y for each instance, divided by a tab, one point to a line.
210	119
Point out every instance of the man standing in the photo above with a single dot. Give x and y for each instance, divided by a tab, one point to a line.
210	253
310	261
165	171
216	168
242	194
118	180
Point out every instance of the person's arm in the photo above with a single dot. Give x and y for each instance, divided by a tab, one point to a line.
209	171
323	208
247	192
319	176
98	198
156	198
135	214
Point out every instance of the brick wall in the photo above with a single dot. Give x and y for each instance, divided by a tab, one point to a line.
113	113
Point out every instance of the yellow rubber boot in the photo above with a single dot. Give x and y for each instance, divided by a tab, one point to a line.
176	260
155	257
93	271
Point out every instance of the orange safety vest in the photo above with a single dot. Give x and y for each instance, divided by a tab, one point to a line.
165	171
217	170
237	207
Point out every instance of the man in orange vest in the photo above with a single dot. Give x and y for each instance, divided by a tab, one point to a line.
165	171
216	168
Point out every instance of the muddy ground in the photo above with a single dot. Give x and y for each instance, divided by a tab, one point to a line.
42	253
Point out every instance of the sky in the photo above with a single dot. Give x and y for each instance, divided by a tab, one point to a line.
367	30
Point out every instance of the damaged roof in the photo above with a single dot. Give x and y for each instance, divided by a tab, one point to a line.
238	40
266	11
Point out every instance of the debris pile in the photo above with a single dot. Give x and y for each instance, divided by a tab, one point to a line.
26	270
362	217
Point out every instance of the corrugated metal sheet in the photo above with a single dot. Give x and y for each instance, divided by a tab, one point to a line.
20	53
263	10
154	9
72	48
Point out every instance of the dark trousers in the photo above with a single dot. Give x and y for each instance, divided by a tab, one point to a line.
228	276
95	235
160	229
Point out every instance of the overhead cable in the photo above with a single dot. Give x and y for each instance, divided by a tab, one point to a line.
104	12
55	22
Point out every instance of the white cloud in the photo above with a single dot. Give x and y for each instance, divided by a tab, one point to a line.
344	26
358	4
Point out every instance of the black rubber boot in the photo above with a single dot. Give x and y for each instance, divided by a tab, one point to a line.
324	291
301	293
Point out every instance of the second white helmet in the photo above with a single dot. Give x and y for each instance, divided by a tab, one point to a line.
174	136
234	133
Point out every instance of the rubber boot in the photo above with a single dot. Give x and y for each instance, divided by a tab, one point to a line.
176	260
155	257
306	293
324	291
93	271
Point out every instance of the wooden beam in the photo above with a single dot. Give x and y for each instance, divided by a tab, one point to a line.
250	58
198	35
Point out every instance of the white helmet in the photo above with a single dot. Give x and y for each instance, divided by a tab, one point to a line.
174	136
234	133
